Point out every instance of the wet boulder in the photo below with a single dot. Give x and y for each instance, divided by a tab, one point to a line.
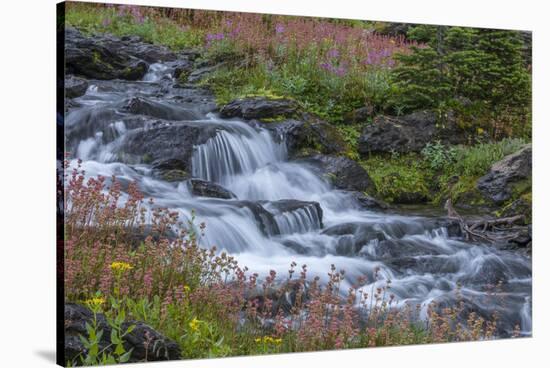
396	248
409	133
146	343
158	109
259	108
149	52
170	169
168	144
342	172
307	136
101	57
295	216
263	218
510	174
201	72
353	236
366	201
204	188
75	87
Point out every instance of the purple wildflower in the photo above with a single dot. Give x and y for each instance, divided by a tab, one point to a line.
333	53
279	28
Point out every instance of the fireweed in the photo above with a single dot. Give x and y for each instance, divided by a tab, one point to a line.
330	67
126	257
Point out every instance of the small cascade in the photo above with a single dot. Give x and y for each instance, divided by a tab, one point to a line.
238	150
156	72
296	217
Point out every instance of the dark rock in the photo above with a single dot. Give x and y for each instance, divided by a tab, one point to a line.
157	109
424	265
499	183
295	246
342	172
367	202
293	216
169	144
352	237
259	108
396	248
204	188
146	343
75	87
404	197
523	237
201	72
182	68
149	52
281	297
360	115
263	218
307	137
170	170
101	57
409	133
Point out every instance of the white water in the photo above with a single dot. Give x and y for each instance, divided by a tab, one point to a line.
423	263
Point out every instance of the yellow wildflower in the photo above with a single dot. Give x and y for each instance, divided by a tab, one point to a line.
194	324
268	340
480	131
186	288
121	266
95	302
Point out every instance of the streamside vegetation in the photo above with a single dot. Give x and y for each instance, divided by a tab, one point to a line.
192	302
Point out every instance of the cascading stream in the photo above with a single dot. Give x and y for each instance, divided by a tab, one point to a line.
284	212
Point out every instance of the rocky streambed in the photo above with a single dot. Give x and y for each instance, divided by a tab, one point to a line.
272	192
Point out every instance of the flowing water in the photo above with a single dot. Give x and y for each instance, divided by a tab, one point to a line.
273	220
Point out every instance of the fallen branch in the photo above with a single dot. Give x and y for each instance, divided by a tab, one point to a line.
488	229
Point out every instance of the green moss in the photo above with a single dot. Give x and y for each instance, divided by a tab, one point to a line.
183	77
465	193
399	176
147	158
274	119
174	175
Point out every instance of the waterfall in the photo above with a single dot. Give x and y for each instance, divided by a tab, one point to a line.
285	212
238	150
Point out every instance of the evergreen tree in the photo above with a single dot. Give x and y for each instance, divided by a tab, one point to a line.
483	66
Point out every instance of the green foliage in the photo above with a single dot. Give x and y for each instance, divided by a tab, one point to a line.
438	156
159	31
476	160
328	95
114	353
398	175
439	171
467	165
350	134
482	66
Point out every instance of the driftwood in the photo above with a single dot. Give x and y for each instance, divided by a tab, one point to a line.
491	230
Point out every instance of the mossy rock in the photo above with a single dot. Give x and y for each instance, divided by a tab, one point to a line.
174	175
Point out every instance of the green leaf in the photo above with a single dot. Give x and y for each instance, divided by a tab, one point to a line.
130	329
125	357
